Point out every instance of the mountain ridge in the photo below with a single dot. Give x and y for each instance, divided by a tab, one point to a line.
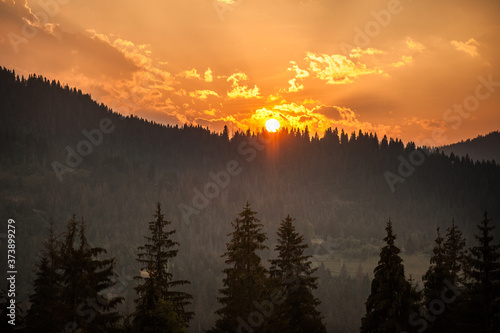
334	186
483	147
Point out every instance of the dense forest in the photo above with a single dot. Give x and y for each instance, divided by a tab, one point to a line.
485	147
64	154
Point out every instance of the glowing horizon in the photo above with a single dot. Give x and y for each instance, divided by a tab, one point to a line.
376	67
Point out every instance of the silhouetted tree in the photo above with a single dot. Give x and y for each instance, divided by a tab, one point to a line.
455	254
157	288
291	273
437	280
85	303
481	300
44	314
163	318
246	281
392	297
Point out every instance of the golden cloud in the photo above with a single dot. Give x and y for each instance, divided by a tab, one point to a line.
358	52
190	73
405	60
469	47
414	45
208	75
241	91
337	69
299	74
203	94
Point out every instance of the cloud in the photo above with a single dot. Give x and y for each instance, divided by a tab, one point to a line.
190	73
316	118
299	74
203	94
273	97
405	60
358	52
208	75
337	69
241	91
414	45
426	124
469	47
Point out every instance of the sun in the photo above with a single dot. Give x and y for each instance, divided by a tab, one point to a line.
272	125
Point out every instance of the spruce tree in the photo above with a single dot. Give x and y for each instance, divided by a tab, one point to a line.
164	319
45	311
157	290
292	274
437	279
392	297
481	301
245	284
86	301
455	254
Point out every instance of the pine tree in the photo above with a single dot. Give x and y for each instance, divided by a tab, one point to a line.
292	274
481	302
437	279
158	285
225	134
164	319
244	286
45	311
392	297
86	301
455	254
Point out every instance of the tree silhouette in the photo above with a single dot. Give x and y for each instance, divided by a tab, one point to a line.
245	284
436	280
45	311
85	303
291	272
157	287
481	301
392	297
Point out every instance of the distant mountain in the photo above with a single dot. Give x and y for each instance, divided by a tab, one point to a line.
485	148
63	153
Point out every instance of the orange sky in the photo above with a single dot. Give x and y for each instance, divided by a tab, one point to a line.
417	70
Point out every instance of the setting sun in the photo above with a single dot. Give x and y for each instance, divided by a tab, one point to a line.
272	125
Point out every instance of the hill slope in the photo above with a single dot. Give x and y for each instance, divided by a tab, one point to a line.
485	148
62	153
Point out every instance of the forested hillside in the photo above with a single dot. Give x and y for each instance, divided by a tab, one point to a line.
63	154
481	148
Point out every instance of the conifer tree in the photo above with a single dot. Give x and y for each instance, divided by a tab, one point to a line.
292	273
481	301
85	301
455	254
164	319
157	291
245	283
45	311
392	297
436	280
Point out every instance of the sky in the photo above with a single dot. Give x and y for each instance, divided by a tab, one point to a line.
422	71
